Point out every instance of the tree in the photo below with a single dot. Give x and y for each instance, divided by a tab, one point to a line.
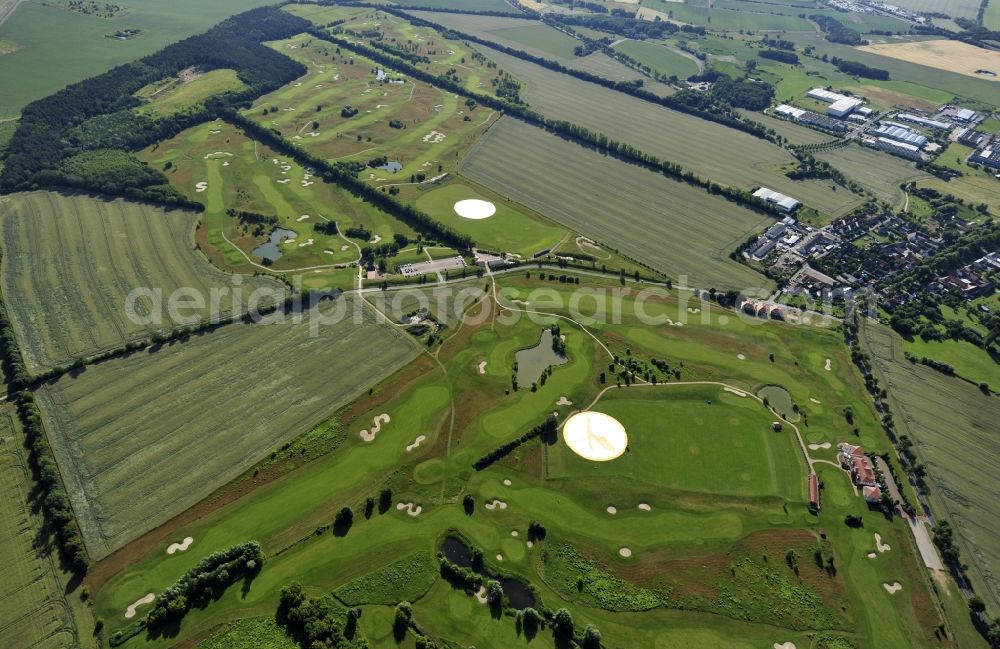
468	504
562	622
343	521
494	592
591	637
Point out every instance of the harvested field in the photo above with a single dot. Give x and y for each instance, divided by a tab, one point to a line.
953	426
953	56
70	261
794	133
132	434
710	150
954	8
33	612
672	226
880	172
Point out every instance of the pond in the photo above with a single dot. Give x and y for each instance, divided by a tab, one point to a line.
533	361
517	592
271	250
392	166
780	400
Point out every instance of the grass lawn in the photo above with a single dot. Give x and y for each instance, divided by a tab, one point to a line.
659	58
970	362
512	228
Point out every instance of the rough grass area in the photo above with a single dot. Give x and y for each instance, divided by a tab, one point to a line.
177	97
250	633
950	422
403	580
671	226
880	172
659	58
137	426
71	260
33	610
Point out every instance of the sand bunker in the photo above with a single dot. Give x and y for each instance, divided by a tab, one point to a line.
328	252
742	357
481	595
645	507
200	187
344	248
893	587
180	547
872	555
434	136
735	391
499	557
563	401
827	367
816	447
376	427
625	552
482	367
514	533
412	509
814	400
495	504
784	645
506	483
473	208
612	509
417	442
595	436
530	544
881	547
130	611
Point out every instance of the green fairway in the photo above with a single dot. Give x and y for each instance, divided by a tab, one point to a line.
148	435
698	438
71	261
510	229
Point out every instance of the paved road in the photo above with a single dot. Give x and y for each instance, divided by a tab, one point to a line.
928	552
6	11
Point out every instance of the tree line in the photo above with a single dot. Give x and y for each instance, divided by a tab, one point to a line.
547	430
96	113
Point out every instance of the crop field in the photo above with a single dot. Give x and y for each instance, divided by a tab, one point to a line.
880	172
697	438
71	261
991	17
952	425
792	132
954	8
710	150
175	96
659	58
33	612
464	5
131	434
531	36
953	56
47	34
730	19
242	174
512	228
603	65
975	188
672	226
970	362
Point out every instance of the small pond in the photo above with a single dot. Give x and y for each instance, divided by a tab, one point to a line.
517	592
271	250
532	362
780	400
392	166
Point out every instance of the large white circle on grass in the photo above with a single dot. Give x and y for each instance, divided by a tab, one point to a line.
473	208
595	436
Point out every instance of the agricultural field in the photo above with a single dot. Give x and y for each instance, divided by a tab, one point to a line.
991	17
46	33
659	58
952	56
954	8
879	172
970	362
464	5
34	612
135	426
71	261
709	150
674	227
951	423
737	18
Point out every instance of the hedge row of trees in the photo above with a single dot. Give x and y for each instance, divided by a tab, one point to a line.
315	622
627	27
835	32
209	578
779	55
860	69
95	113
568	130
346	177
547	430
56	507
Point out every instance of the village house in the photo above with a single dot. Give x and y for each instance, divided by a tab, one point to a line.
854	460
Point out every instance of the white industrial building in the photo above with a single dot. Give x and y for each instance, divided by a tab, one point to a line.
824	95
964	115
791	112
899	148
923	121
901	134
843	107
783	202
